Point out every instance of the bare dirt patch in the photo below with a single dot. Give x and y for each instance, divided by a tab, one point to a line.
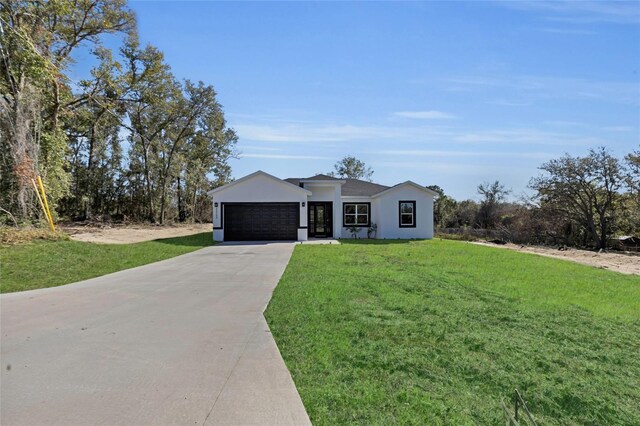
129	234
625	262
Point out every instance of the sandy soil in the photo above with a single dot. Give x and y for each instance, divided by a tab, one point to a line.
129	234
625	262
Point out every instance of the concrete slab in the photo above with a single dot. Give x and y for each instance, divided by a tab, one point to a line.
320	241
181	341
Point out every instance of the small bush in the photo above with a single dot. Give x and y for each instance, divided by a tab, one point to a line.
456	237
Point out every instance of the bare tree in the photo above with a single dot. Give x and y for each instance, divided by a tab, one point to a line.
492	195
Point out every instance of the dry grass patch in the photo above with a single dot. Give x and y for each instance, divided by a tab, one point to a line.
11	236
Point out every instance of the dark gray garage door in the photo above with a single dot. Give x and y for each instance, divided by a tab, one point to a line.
260	221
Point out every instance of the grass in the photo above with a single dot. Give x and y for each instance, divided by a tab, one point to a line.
40	263
439	332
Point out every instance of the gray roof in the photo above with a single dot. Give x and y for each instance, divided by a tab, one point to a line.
358	188
296	181
322	177
351	187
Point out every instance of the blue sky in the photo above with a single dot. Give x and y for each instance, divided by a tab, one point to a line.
446	93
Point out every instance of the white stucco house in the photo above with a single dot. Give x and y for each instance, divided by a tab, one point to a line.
260	206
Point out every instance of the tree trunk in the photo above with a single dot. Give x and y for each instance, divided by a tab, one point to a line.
162	202
181	213
147	182
591	227
23	149
602	242
56	104
195	201
90	177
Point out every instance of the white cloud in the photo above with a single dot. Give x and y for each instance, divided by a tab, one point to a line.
260	148
282	140
283	156
529	88
582	12
564	123
484	154
618	129
568	31
451	168
311	132
509	103
424	115
525	137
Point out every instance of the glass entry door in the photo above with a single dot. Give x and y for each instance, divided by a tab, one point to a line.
320	223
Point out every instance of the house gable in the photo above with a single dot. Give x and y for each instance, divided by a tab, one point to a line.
264	181
403	185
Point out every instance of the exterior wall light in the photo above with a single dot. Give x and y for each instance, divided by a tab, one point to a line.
303	204
215	204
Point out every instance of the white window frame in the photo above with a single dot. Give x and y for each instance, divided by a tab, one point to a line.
357	214
412	214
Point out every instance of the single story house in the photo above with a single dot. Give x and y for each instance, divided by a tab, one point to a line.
263	207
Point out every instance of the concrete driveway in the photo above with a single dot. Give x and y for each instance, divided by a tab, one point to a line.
182	341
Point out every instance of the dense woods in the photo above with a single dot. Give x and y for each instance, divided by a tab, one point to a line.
130	141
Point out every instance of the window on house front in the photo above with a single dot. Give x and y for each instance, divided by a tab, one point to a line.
407	214
356	214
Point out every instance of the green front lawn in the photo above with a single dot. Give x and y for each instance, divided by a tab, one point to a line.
439	332
40	264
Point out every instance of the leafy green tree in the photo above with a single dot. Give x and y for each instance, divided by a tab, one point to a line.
37	39
179	142
169	125
351	167
152	97
633	174
93	128
585	190
210	148
443	207
633	196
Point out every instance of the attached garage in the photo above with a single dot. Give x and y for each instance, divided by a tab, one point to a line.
260	221
259	207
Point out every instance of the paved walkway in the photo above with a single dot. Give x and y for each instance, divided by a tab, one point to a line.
182	341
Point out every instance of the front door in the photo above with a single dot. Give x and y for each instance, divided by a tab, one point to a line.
320	223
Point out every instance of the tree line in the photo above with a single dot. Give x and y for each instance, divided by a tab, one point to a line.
130	141
576	201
